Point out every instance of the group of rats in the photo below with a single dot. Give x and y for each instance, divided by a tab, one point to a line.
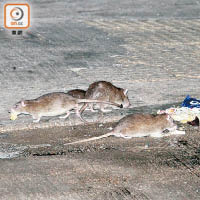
99	95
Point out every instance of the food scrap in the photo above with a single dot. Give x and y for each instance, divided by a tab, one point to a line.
13	116
189	112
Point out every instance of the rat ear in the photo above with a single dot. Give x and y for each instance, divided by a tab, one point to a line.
23	103
125	91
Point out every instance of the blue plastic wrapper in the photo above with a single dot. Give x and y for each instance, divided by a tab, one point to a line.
191	102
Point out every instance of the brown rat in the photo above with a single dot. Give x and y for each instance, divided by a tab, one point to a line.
106	91
77	93
52	104
140	125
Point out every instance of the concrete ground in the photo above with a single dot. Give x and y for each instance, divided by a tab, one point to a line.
149	47
111	168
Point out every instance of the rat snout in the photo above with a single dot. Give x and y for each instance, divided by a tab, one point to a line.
126	105
172	125
12	110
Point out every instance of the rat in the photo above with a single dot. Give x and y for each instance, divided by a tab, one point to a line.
140	125
77	93
51	104
106	91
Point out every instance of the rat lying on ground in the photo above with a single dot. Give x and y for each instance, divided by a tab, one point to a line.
52	104
140	125
106	91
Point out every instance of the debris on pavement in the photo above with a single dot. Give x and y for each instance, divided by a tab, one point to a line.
189	112
195	122
191	102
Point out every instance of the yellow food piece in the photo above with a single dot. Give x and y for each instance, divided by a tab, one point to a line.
13	116
171	110
184	121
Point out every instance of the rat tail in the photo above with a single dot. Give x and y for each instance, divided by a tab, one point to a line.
91	139
83	107
98	101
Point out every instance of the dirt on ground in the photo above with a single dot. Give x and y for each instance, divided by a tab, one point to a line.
110	168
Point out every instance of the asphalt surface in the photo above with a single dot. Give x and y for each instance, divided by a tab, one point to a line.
149	47
46	167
